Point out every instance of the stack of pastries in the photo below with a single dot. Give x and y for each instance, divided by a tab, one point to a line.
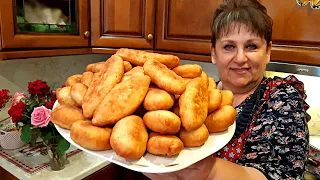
139	101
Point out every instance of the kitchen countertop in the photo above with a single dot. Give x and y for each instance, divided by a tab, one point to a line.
80	166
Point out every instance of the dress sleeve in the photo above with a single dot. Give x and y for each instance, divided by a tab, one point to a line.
279	140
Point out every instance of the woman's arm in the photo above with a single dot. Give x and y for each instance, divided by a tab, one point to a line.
212	168
223	169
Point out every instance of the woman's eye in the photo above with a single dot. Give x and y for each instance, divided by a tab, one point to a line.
251	46
228	47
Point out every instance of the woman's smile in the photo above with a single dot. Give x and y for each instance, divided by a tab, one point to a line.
240	71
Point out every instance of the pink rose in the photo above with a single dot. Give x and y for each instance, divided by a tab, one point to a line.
17	98
40	116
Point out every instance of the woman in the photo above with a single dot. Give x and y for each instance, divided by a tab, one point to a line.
271	138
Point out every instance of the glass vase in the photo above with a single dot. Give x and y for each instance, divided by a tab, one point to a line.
57	160
34	137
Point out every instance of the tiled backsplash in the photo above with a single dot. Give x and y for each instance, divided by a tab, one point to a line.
15	74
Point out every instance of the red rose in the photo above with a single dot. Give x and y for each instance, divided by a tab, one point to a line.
16	111
53	96
42	99
4	96
49	105
38	87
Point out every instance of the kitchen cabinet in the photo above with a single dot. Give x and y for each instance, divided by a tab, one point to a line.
293	25
180	27
295	31
123	23
44	24
0	41
184	25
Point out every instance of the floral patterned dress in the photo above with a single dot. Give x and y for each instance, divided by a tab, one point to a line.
271	130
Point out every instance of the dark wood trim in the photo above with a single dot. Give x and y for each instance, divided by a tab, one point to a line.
113	171
4	174
104	51
98	39
294	54
282	54
0	30
12	40
43	53
96	20
288	54
109	50
184	56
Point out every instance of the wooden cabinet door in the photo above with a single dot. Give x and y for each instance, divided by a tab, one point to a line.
122	23
293	24
12	39
295	31
184	25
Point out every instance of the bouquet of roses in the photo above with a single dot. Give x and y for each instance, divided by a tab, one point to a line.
31	113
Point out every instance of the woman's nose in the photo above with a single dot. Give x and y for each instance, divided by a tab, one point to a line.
240	56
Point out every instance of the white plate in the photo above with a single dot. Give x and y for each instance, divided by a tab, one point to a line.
314	141
158	164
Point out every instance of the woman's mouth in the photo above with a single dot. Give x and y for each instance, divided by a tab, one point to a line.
240	71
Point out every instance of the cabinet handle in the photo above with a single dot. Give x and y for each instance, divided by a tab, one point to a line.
150	37
87	34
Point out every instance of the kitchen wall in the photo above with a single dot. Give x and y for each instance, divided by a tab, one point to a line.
15	75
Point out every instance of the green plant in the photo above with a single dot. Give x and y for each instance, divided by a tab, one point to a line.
31	114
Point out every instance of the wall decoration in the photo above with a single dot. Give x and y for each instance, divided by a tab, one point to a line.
314	4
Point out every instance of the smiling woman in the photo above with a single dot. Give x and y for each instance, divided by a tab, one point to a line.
271	137
241	45
241	58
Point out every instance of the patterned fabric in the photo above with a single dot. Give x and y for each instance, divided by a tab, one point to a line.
275	139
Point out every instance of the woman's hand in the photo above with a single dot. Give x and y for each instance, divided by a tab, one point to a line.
200	171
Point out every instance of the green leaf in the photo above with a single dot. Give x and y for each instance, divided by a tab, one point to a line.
24	119
47	137
26	134
31	106
63	145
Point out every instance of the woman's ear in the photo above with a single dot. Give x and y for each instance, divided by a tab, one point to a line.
269	51
213	55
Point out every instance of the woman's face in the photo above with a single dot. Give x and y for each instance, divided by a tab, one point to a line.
241	58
